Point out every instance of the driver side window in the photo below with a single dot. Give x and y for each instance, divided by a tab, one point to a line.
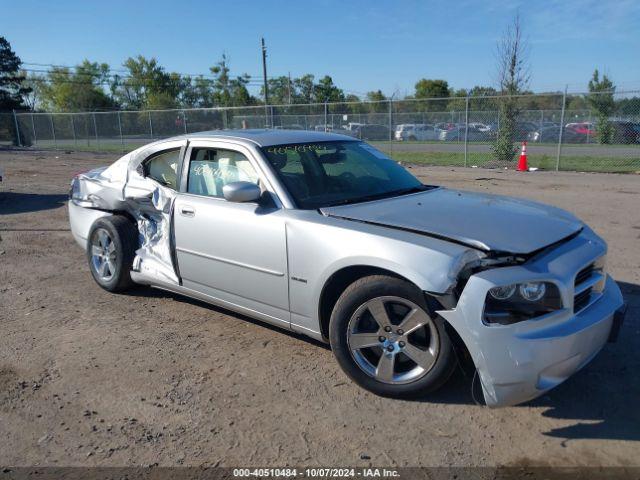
210	169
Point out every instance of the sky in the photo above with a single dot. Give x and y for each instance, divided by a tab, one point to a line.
362	45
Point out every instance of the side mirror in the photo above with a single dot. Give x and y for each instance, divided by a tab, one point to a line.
241	192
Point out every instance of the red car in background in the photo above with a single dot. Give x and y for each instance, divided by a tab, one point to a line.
585	128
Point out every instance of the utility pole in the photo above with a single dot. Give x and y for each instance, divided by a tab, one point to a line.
264	72
289	85
264	77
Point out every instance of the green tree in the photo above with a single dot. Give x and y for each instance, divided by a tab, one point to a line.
376	96
12	81
80	89
426	88
282	91
326	91
628	106
513	79
228	91
147	85
600	98
196	92
305	87
431	89
12	88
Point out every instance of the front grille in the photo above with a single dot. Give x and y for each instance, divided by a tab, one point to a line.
581	300
584	274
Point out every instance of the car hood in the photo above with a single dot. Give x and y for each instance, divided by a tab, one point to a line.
486	222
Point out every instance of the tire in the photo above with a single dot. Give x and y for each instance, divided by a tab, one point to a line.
110	251
421	361
412	138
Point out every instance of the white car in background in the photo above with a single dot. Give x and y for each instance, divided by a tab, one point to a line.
415	132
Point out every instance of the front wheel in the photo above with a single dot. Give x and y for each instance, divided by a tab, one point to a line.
386	339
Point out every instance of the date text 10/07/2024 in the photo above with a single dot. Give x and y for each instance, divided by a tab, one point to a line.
316	472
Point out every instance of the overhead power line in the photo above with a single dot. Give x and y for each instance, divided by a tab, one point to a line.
74	69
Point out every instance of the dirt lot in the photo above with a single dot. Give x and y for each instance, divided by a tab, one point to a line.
91	378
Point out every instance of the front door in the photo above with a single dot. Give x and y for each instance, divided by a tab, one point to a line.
233	252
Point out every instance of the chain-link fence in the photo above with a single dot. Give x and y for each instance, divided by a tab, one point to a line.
585	132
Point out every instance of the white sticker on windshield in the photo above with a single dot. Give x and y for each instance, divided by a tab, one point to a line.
374	150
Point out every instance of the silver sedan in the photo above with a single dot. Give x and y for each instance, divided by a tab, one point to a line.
324	235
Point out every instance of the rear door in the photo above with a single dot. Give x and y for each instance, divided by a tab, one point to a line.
233	252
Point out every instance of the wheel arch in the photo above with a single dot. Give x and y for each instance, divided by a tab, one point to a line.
340	279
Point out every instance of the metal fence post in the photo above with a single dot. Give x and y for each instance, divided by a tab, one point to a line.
73	131
15	121
120	129
391	119
53	132
33	127
564	101
541	119
326	111
150	125
95	128
391	126
466	129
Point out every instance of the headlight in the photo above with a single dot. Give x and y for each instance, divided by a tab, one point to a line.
514	303
502	293
532	291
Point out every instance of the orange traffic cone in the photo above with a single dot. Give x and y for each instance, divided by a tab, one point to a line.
522	163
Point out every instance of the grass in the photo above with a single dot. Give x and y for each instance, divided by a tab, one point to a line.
578	163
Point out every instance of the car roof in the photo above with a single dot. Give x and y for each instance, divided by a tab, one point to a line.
267	137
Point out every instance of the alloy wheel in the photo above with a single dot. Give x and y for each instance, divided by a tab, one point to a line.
393	340
103	254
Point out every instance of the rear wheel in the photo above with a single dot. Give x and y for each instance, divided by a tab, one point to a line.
111	248
386	339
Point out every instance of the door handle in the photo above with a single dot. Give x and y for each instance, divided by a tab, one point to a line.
188	211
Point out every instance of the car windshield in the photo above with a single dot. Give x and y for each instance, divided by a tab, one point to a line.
323	174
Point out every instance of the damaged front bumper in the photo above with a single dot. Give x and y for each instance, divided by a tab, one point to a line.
521	361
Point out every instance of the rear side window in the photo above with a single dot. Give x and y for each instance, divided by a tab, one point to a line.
163	168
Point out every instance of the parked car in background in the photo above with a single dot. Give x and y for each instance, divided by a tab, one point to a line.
552	135
458	133
584	128
372	132
445	126
293	126
521	130
625	132
332	129
324	235
482	127
415	131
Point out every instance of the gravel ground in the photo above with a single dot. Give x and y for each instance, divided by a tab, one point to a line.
92	378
